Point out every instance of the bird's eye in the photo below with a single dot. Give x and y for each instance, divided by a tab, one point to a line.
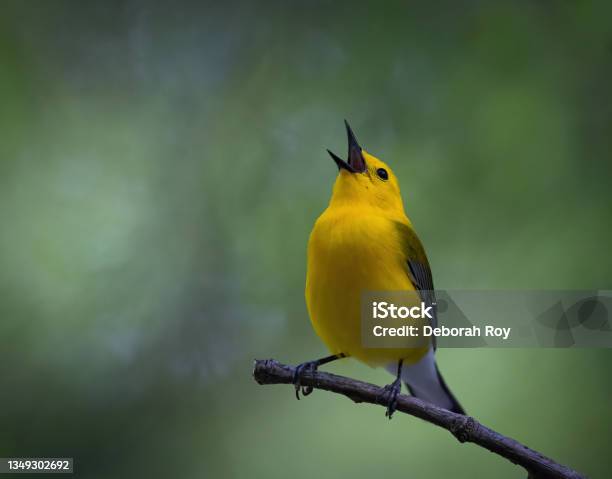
382	174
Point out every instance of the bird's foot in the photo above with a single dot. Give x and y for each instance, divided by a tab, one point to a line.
310	366
390	392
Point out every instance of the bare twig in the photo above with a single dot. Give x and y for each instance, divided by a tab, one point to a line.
464	428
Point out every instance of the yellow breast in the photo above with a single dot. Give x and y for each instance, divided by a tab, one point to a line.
349	254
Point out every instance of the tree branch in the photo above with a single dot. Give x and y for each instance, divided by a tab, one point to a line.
464	428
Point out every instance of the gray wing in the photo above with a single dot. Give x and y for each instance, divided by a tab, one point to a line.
418	269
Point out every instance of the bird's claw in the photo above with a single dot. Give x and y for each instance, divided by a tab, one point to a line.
299	370
391	391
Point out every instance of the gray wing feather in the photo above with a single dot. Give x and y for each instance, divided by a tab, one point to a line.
418	270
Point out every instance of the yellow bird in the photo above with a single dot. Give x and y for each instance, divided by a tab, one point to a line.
363	242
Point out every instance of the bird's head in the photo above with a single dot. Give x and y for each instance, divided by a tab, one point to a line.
365	181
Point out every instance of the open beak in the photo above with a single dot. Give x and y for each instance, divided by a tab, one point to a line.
356	162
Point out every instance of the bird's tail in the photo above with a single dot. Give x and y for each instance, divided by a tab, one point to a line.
424	381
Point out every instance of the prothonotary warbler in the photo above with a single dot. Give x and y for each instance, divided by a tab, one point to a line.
363	242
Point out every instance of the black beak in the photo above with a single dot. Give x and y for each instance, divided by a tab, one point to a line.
356	163
355	158
340	162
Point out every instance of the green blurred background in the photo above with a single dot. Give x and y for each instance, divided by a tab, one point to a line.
161	166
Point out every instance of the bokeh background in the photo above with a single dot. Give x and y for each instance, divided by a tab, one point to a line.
161	166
